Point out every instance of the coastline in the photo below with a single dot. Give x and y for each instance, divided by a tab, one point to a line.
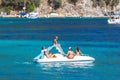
16	16
82	9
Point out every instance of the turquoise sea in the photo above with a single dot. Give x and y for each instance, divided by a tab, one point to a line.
21	40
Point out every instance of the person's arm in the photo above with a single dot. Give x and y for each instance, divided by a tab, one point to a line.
67	53
73	53
46	54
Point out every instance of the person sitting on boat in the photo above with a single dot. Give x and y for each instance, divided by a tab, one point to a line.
78	52
47	54
70	53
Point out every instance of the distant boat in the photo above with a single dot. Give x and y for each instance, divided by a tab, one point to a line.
114	19
33	15
23	14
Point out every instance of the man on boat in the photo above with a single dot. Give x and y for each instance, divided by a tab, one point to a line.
47	54
70	53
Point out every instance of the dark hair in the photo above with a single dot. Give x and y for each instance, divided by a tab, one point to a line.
43	47
56	37
77	48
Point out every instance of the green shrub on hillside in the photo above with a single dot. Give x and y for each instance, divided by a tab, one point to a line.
104	3
7	9
72	1
55	4
19	4
30	8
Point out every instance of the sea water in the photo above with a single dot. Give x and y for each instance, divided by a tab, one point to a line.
21	40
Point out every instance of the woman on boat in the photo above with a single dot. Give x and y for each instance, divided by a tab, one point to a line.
70	53
47	54
78	52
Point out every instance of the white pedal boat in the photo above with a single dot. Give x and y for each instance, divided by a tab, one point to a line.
62	58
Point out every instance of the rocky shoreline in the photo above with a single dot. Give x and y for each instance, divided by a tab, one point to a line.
83	8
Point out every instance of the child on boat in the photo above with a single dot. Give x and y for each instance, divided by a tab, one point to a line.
55	41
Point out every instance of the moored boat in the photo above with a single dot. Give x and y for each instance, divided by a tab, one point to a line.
33	15
114	19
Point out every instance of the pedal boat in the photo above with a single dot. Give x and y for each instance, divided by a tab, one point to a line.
62	58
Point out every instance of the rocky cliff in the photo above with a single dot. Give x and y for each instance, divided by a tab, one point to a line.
82	8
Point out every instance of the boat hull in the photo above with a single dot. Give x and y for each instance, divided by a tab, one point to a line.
61	58
114	21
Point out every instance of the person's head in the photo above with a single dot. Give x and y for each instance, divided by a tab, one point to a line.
43	47
77	48
56	37
70	48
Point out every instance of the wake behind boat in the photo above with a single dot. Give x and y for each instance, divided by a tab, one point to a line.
60	57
